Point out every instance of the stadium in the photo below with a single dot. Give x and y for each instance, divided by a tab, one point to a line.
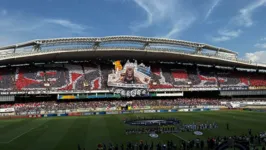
180	91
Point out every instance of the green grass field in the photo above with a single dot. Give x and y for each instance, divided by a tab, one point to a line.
65	133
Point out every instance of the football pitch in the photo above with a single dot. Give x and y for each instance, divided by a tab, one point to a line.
65	133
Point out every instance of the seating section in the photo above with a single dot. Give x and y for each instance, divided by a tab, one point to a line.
232	78
57	76
257	79
207	77
7	79
30	78
91	76
180	77
160	78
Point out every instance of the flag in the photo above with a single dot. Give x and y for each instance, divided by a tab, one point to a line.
118	65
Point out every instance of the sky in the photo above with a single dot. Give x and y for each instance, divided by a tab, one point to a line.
238	25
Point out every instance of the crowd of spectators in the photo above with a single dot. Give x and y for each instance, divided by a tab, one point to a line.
54	106
46	107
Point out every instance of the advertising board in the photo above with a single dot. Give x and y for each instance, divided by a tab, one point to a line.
149	111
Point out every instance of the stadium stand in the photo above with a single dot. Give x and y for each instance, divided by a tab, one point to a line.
92	76
7	79
232	78
257	79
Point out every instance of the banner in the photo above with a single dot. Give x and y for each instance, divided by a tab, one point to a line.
167	90
130	92
141	107
131	75
185	89
172	110
35	116
232	88
149	111
137	111
257	87
51	115
111	112
4	117
7	98
74	114
126	112
196	109
48	92
61	115
162	111
18	117
7	110
169	94
161	107
88	113
101	113
203	89
67	97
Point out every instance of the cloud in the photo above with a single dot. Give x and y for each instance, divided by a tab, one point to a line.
258	56
214	4
232	33
226	35
179	26
242	20
261	45
263	39
170	17
66	24
20	28
220	38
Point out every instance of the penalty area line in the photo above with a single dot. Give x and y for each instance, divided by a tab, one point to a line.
179	137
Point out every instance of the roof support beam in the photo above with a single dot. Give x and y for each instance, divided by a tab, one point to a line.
119	38
96	45
199	50
37	48
147	44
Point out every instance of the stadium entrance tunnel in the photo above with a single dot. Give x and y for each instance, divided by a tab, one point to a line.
152	122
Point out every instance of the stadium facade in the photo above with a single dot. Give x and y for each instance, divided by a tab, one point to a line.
125	66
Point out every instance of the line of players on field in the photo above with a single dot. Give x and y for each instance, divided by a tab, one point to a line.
172	128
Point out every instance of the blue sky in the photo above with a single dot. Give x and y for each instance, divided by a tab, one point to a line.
239	25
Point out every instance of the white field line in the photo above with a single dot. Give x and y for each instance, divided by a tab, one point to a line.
21	135
179	137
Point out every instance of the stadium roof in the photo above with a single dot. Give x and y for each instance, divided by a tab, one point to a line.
126	53
143	40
